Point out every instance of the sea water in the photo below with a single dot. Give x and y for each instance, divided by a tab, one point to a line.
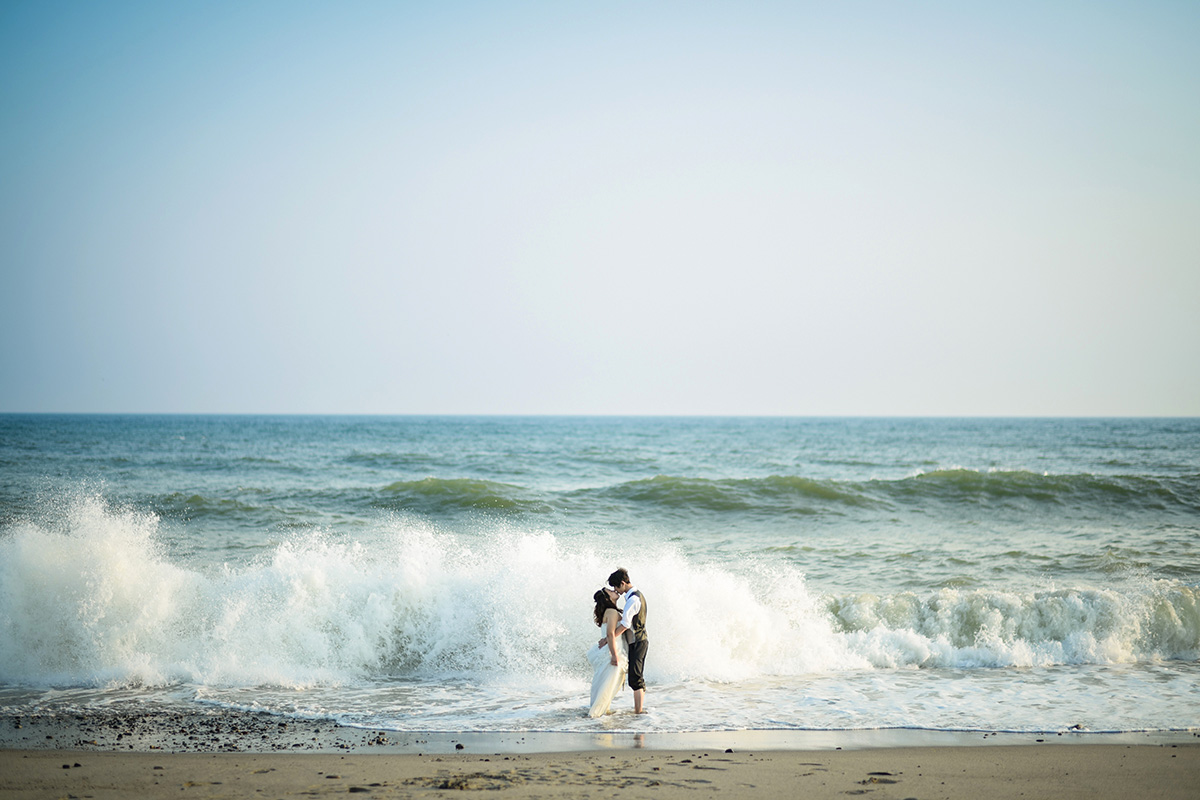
436	573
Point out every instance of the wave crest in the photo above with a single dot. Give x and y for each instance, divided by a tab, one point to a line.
96	599
957	628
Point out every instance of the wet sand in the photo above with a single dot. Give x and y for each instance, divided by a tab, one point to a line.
1020	771
249	755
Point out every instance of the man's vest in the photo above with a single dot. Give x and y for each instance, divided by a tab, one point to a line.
638	632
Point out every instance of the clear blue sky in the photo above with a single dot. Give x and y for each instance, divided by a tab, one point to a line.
600	208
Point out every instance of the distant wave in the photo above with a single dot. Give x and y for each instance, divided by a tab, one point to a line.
777	492
674	496
441	494
795	494
772	495
974	486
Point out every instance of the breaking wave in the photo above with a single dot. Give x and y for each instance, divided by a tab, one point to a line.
93	599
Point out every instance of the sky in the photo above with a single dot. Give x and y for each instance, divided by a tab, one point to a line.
742	208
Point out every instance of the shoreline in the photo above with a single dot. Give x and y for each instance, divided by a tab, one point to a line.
228	731
116	754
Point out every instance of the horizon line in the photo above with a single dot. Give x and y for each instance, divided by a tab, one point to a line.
608	415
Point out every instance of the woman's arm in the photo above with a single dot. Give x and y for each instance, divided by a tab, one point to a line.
610	624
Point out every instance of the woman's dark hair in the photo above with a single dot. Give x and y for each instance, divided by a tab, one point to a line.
603	603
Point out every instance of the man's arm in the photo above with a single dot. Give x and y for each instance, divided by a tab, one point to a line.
619	632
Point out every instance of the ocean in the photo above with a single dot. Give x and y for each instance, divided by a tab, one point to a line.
436	573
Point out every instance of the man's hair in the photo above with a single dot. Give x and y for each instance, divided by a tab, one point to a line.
618	577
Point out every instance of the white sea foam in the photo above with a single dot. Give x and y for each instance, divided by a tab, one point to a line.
992	628
94	600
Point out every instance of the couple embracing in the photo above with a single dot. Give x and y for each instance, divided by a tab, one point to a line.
621	612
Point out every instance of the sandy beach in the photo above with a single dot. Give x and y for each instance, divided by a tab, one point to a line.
1086	771
257	755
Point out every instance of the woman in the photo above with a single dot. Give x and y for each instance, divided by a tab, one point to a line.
609	660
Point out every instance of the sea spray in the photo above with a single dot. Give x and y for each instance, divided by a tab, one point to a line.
94	600
989	628
90	602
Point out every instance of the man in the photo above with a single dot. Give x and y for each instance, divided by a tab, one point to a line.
633	627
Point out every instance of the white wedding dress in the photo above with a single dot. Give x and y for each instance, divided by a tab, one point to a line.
607	680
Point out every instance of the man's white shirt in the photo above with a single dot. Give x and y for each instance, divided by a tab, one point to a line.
633	604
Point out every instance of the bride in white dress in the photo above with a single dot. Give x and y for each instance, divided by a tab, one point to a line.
611	658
